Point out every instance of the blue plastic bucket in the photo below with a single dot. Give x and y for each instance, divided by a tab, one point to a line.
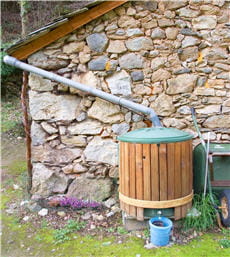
160	229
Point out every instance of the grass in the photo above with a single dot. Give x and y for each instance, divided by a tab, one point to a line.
11	117
42	244
17	168
17	175
207	214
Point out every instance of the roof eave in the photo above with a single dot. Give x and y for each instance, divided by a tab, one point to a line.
43	37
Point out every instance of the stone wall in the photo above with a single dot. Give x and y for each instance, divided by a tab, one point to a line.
166	55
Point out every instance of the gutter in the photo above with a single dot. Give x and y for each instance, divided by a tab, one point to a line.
93	91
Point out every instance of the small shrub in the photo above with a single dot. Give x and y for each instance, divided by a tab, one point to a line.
207	217
226	232
73	225
111	230
122	231
38	238
6	70
11	77
44	224
146	233
224	243
62	235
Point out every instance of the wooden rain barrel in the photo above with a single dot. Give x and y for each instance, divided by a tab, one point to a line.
155	171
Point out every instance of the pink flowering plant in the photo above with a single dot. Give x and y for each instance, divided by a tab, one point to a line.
78	204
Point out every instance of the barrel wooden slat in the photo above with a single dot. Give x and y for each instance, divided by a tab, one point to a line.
124	174
127	175
191	167
177	178
163	171
146	172
132	166
121	171
139	179
170	166
189	171
185	174
189	174
187	167
177	213
189	206
155	173
183	210
184	168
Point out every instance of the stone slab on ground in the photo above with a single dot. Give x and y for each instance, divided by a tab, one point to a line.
132	224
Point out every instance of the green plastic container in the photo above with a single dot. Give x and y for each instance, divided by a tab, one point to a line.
221	166
155	136
168	212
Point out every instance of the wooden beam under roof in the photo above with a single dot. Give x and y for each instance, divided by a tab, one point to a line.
22	52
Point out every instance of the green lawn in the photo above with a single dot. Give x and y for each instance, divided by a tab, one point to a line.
22	240
11	116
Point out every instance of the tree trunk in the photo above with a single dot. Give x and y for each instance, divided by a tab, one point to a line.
24	8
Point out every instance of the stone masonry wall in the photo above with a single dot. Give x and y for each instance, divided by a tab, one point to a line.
167	55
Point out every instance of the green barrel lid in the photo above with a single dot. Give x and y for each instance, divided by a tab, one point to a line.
155	135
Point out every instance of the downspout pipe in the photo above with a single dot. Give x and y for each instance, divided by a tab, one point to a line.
106	96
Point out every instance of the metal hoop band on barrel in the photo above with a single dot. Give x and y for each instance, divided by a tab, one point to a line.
156	204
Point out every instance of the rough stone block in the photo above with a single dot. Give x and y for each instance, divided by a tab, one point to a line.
102	150
47	181
105	112
39	59
131	61
132	224
139	43
183	83
205	22
98	64
120	83
88	127
92	189
116	46
137	75
97	42
47	106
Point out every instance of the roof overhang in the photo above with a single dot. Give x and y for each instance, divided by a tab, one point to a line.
54	31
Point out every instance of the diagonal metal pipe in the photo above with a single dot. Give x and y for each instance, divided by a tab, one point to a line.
106	96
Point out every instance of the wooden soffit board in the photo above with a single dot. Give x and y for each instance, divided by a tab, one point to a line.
22	52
